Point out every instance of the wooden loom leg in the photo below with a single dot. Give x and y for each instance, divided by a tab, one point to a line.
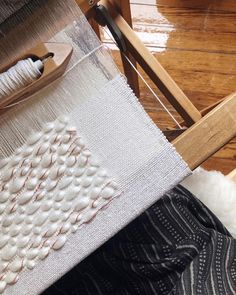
154	70
123	6
209	134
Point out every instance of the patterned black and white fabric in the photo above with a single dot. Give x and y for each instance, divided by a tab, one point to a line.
176	247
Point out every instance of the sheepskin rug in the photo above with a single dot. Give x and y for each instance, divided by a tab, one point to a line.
217	192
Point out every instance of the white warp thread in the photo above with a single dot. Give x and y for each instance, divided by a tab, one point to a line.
8	8
18	76
135	153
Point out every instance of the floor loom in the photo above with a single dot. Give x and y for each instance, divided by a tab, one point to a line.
206	132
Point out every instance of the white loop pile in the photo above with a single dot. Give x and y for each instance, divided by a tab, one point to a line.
20	75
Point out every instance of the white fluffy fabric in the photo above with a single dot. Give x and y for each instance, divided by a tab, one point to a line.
217	192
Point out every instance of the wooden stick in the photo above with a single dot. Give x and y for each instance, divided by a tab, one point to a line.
154	70
123	6
209	134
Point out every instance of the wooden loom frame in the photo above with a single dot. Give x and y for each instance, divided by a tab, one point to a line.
208	130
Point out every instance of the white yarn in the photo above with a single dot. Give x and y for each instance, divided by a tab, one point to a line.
20	75
217	192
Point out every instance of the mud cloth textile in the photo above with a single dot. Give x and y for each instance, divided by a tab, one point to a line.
175	247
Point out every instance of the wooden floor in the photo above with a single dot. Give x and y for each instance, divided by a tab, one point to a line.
196	42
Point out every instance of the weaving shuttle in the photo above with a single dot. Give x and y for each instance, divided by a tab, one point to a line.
57	57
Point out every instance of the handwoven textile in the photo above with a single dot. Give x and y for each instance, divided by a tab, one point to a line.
50	187
176	247
117	131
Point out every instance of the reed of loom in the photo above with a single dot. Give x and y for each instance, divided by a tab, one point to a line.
209	130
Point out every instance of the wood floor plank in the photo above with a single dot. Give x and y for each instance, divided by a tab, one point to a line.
160	41
162	17
191	40
210	5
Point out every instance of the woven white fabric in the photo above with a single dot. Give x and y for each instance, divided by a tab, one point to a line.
135	153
